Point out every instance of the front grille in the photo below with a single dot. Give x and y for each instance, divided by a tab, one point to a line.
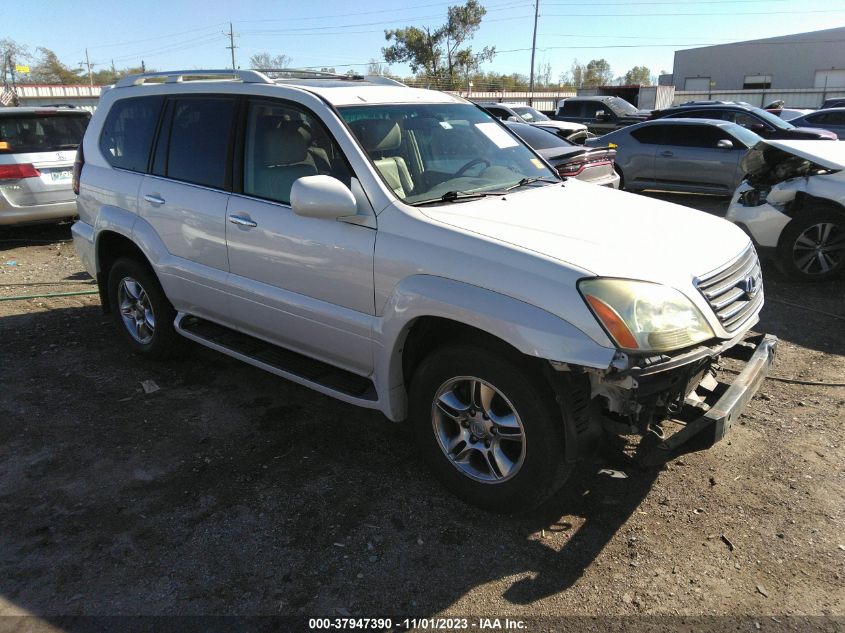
734	291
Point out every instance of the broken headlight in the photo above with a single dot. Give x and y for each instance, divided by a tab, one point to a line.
753	197
644	316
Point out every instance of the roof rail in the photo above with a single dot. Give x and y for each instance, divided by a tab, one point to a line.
178	76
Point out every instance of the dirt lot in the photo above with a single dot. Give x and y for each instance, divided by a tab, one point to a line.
230	491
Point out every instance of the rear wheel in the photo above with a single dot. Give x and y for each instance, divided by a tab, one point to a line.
140	309
812	247
489	428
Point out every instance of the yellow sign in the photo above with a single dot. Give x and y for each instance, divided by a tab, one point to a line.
21	69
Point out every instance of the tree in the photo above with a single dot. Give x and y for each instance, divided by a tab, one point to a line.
639	75
576	75
440	55
375	67
265	61
49	70
597	73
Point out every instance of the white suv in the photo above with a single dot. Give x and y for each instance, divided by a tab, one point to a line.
402	250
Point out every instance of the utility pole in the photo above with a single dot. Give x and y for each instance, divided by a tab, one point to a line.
533	49
88	65
143	66
231	45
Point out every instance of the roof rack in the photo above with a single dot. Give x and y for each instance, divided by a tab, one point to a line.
178	76
305	73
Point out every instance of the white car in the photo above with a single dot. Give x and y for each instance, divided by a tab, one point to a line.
402	250
792	204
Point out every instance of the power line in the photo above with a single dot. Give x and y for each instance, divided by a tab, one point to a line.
712	15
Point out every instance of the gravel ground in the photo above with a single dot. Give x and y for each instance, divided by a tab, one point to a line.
229	491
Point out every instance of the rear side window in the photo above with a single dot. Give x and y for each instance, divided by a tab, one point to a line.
200	138
41	132
127	134
539	138
650	134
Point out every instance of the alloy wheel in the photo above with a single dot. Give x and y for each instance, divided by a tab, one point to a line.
819	248
136	310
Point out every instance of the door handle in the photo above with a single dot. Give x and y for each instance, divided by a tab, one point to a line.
666	153
153	199
242	221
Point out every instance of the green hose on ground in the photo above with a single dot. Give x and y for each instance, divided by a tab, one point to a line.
50	294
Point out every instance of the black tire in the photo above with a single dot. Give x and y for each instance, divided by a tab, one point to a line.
824	225
543	468
163	337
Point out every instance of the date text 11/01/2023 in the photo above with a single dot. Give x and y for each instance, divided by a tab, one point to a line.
418	624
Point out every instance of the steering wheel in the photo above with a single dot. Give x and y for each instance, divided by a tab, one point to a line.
470	164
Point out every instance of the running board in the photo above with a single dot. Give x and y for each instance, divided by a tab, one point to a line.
317	375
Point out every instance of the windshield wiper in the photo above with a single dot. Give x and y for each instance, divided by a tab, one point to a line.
528	181
454	196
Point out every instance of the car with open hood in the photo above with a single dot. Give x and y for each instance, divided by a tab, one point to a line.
792	204
401	250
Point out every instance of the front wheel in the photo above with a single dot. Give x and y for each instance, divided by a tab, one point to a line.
812	247
489	428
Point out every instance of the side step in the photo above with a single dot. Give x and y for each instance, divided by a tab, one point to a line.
296	367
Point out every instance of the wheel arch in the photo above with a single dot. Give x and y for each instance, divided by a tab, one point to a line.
424	312
111	246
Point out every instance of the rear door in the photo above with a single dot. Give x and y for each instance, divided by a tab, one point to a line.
184	201
689	159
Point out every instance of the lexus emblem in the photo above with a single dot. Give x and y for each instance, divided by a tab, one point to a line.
748	286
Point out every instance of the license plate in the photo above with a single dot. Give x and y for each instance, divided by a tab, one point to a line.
61	176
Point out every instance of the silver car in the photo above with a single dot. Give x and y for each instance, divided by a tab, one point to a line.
688	155
37	150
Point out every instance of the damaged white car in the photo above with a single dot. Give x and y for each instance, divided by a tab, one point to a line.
792	204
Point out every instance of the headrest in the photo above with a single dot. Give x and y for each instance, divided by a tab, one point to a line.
283	146
378	135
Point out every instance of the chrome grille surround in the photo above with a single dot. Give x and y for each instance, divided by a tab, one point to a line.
735	290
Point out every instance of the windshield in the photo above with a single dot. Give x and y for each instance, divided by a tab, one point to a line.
620	106
36	132
426	151
530	114
773	120
537	137
748	138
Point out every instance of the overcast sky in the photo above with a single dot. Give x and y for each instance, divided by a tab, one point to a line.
171	34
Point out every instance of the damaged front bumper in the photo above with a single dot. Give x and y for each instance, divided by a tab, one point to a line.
716	418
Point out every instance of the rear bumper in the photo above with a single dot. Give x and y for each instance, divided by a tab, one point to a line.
704	431
36	213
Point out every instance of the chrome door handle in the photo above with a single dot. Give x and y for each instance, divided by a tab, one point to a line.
153	199
242	221
666	153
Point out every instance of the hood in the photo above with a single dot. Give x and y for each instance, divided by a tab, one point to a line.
814	132
561	125
602	231
767	154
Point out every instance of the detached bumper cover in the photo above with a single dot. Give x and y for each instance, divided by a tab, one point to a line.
706	430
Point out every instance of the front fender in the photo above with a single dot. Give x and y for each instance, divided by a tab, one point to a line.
529	329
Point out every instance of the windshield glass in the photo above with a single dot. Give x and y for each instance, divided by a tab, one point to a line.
530	114
35	132
774	121
537	137
620	106
748	138
424	151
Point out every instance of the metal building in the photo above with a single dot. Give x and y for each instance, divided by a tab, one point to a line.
802	60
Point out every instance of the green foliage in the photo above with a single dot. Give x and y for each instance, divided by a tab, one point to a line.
439	55
638	75
49	70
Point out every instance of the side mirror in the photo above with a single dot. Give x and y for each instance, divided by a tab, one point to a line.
601	115
322	197
514	119
725	144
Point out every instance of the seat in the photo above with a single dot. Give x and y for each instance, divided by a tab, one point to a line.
381	140
283	159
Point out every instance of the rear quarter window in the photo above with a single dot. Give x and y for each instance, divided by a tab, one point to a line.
127	134
650	135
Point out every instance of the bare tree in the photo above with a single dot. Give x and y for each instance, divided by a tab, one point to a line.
265	61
